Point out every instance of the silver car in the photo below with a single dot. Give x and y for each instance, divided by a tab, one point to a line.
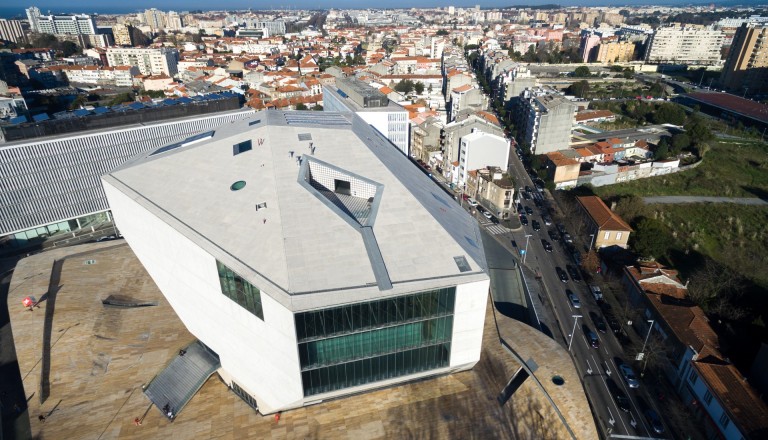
629	376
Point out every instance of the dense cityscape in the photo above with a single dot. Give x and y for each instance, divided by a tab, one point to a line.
449	222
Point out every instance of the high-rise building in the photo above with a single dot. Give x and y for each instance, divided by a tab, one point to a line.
155	19
122	33
299	255
33	14
545	121
10	30
588	46
746	68
615	52
150	61
174	21
685	44
67	24
389	118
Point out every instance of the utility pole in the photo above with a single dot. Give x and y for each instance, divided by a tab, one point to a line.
573	332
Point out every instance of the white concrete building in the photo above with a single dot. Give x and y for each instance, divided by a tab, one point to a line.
120	76
389	118
479	150
149	61
685	44
300	254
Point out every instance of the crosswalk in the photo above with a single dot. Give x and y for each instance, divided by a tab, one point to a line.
496	229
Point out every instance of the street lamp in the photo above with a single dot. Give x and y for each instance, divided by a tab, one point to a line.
525	253
647	336
573	332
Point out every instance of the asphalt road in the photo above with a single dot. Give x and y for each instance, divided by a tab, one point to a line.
705	199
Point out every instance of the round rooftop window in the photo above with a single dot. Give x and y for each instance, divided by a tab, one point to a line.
240	184
558	380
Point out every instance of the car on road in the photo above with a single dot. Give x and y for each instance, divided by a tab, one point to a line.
575	302
619	396
547	245
528	189
514	243
599	322
535	225
573	271
561	274
526	196
552	235
487	215
528	210
654	420
524	220
520	207
561	228
627	373
567	238
472	202
591	336
546	219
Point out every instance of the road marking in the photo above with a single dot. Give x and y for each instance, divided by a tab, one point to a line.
617	408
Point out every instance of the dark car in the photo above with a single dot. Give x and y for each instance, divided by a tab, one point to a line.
546	219
547	246
536	201
552	235
524	220
561	274
561	228
514	243
654	420
528	210
621	399
599	322
520	207
591	336
528	189
627	373
535	225
573	298
526	196
573	272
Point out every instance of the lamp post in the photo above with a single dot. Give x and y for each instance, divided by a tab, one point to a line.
573	332
525	254
647	336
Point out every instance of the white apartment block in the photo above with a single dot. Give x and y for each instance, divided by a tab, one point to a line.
149	61
479	150
120	76
685	44
66	24
10	30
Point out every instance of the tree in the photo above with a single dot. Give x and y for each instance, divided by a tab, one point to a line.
716	289
662	150
582	72
680	141
579	89
78	102
441	32
669	113
121	98
631	208
651	238
405	86
418	87
317	108
301	106
627	74
590	262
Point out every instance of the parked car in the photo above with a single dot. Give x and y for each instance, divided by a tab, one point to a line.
552	235
561	274
621	399
654	420
526	196
573	271
528	189
567	238
596	292
591	336
528	210
487	215
472	202
520	207
575	302
547	246
561	228
627	373
524	220
535	225
546	219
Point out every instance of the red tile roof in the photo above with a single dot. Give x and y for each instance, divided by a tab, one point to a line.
602	216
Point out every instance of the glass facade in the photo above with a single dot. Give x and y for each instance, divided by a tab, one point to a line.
356	344
240	291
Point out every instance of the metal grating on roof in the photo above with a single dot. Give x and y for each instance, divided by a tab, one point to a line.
305	136
175	386
316	119
462	263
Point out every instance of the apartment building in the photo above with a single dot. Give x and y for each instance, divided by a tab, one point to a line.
150	61
615	52
544	121
479	150
10	30
746	68
685	44
119	76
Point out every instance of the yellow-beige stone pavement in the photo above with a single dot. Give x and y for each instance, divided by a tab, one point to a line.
101	356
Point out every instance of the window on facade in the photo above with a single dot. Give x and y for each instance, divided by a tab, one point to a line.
725	420
361	343
607	235
618	236
708	397
240	291
242	147
693	377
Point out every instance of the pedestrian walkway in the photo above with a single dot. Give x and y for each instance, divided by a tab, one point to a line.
496	229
